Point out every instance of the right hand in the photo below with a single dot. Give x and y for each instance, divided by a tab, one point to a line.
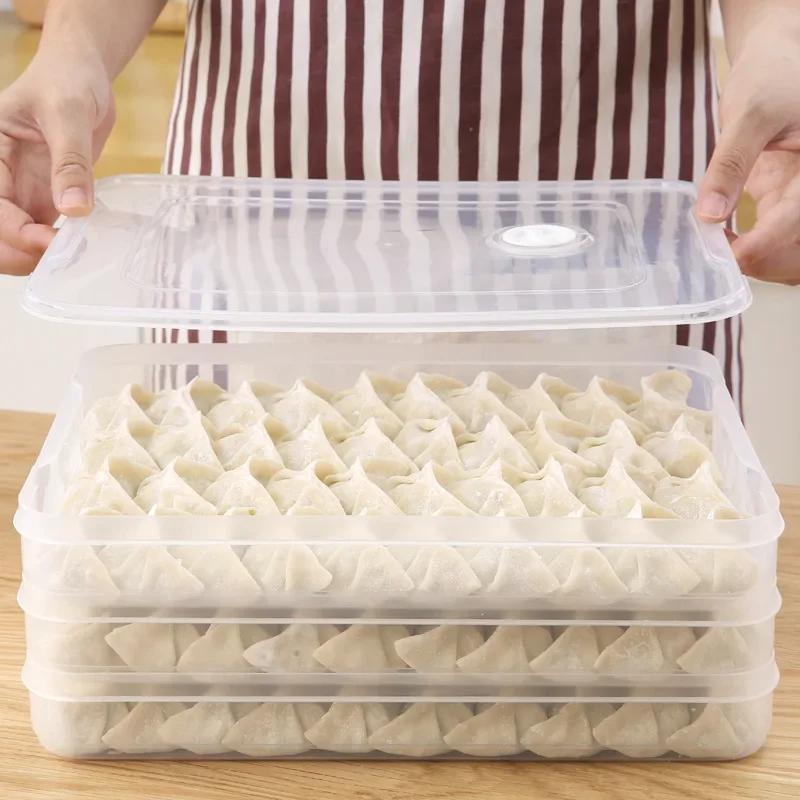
54	121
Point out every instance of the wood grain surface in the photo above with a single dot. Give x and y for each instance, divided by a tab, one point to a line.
27	772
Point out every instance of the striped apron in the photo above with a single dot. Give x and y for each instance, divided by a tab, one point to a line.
452	90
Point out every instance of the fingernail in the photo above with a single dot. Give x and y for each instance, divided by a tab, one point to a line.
74	198
713	206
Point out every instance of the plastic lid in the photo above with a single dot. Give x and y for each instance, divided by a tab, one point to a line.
243	254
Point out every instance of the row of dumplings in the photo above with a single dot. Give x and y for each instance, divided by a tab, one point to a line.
598	575
272	729
306	647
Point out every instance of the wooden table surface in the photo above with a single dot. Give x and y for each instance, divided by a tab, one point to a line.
27	772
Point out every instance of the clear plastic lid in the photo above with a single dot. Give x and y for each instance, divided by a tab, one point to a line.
242	254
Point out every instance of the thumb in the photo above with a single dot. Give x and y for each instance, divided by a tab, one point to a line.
742	141
69	137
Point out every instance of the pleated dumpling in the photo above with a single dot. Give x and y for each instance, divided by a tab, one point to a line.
424	495
486	492
138	732
696	497
302	493
98	494
495	731
680	452
426	440
274	729
420	729
293	649
544	396
568	733
236	411
584	572
603	403
346	727
558	438
108	414
173	407
422	399
217	567
664	396
641	730
309	446
72	729
151	647
304	402
617	493
653	571
148	568
221	648
169	490
243	487
366	569
438	649
70	568
619	443
362	404
710	735
117	443
547	494
255	441
476	406
495	443
440	569
512	571
359	495
190	441
721	571
78	644
719	650
200	729
509	649
362	648
286	568
370	441
637	652
575	650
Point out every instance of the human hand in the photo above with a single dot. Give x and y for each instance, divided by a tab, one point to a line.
54	121
760	146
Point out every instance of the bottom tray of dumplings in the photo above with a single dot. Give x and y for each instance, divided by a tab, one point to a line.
423	728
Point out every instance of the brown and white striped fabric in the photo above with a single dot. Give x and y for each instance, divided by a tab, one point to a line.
451	90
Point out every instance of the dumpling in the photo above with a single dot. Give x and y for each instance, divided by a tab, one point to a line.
438	649
190	441
575	650
309	447
696	497
359	495
370	569
138	732
495	731
709	736
151	646
476	406
236	411
620	443
420	730
274	729
423	495
603	403
544	396
568	733
636	652
74	730
719	650
254	442
243	487
286	568
221	648
110	413
385	386
440	569
495	443
346	727
422	399
640	730
77	645
654	571
173	407
681	453
117	443
558	438
509	649
584	572
721	571
217	567
169	490
370	441
302	492
363	404
291	650
616	494
303	403
426	440
547	494
148	568
486	493
99	494
664	397
72	568
513	571
200	729
362	648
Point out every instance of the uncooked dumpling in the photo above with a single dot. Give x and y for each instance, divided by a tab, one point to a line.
221	648
720	650
292	649
575	650
674	641
709	736
621	444
721	571
200	729
100	493
663	401
79	645
568	733
441	570
302	493
71	729
169	490
423	495
426	440
420	400
236	411
151	647
376	571
173	407
148	568
217	567
658	571
545	396
360	648
585	572
640	730
603	403
476	406
509	649
692	498
243	487
190	441
486	493
547	494
438	649
359	495
363	404
72	568
513	571
558	438
110	413
310	446
370	441
616	493
301	404
346	727
117	443
286	567
253	442
636	652
495	731
138	732
681	453
495	443
272	729
419	731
